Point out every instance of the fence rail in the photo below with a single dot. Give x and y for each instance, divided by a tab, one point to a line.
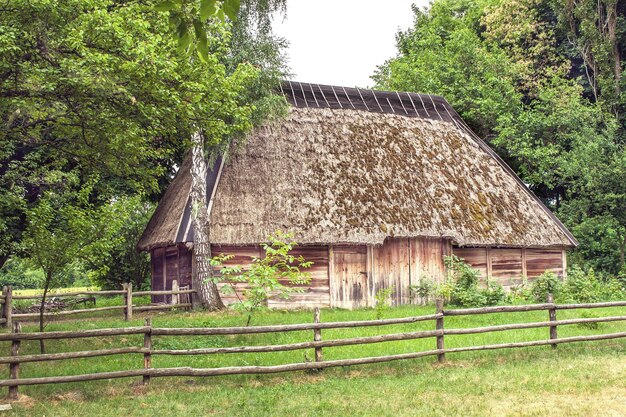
149	332
181	297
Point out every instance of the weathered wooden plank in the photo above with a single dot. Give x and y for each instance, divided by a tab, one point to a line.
476	257
540	260
316	292
350	265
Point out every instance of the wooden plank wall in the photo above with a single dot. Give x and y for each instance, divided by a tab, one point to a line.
168	264
507	266
158	273
358	272
316	293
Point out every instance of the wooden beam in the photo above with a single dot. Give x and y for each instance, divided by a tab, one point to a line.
524	267
332	278
489	266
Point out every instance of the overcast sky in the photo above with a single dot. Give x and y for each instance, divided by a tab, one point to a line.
340	42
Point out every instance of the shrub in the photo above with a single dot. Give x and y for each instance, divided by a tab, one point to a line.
494	293
265	274
425	289
581	287
465	291
545	284
383	296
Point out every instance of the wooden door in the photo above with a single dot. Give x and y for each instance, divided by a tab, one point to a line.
348	277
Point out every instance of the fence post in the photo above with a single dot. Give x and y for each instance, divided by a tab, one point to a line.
317	335
128	299
14	367
552	316
147	344
441	357
174	289
7	307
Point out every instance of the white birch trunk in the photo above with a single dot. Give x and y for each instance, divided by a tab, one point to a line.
207	292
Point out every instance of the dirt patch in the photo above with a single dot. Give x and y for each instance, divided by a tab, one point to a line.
24	401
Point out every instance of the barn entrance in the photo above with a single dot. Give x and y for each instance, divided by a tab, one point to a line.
169	264
358	272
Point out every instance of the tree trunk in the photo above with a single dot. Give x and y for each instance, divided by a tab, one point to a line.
42	346
202	277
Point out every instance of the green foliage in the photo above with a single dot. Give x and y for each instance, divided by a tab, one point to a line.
122	262
19	274
424	289
465	290
99	88
586	286
276	275
383	298
546	283
191	21
66	230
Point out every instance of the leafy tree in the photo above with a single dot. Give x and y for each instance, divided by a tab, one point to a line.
100	87
122	263
272	276
17	273
63	230
443	54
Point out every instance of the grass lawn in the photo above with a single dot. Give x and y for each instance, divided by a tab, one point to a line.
579	379
54	291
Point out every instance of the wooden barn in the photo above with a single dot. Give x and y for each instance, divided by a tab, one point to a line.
377	186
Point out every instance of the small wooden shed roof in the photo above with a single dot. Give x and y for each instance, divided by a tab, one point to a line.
357	166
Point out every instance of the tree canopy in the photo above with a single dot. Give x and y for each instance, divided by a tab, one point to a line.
100	89
541	81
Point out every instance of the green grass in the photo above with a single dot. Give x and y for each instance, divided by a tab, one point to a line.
54	291
575	379
101	301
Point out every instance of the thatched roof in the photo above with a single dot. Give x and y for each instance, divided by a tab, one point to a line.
340	170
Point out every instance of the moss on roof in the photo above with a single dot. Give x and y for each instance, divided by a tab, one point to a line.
351	176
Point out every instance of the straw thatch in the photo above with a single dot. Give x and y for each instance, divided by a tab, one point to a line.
352	176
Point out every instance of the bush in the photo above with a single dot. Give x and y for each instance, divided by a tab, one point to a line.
588	287
383	298
581	287
545	284
425	289
494	293
20	275
466	292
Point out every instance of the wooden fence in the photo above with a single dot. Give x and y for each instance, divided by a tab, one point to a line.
180	298
149	332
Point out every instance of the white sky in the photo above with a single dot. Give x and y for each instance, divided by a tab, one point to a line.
340	42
